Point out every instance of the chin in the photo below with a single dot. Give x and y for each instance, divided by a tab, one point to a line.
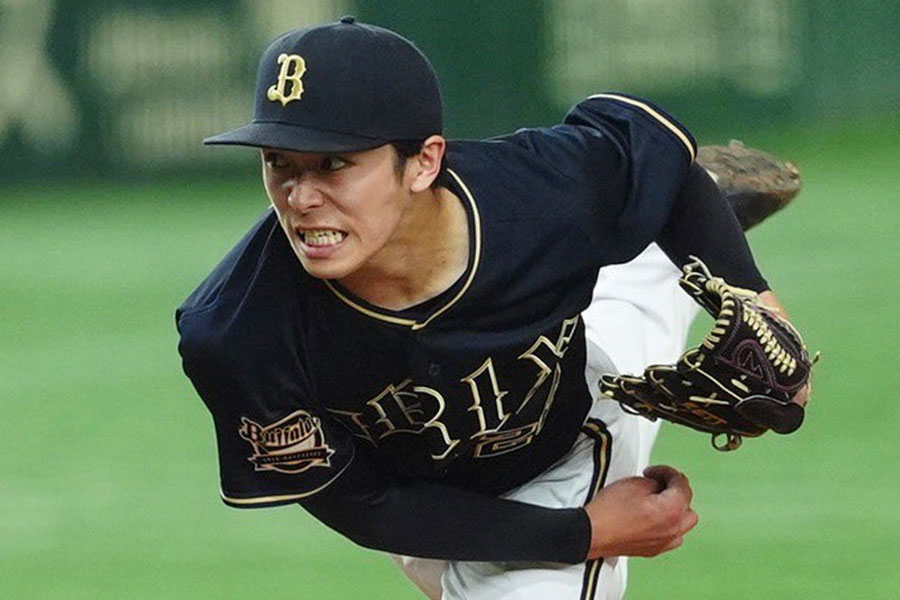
325	269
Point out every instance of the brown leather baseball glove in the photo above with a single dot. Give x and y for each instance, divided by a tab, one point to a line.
755	183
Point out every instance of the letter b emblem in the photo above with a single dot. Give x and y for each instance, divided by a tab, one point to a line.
292	69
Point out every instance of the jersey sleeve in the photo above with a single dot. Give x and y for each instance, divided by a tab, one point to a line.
275	445
638	156
622	161
703	225
377	509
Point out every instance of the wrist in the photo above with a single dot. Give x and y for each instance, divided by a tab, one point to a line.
768	299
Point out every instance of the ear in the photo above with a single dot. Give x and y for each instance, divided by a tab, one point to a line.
424	167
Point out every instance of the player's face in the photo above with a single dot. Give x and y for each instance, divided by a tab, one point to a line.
337	210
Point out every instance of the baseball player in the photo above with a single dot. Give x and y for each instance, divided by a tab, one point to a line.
398	344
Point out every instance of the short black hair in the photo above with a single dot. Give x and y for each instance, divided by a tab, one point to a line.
404	149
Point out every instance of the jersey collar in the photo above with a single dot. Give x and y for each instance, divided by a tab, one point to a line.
419	316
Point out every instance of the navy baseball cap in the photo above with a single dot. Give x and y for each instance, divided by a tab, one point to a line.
340	87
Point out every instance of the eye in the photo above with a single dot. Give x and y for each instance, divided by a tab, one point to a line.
275	160
333	163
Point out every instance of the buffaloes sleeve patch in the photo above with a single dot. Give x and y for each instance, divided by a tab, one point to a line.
265	463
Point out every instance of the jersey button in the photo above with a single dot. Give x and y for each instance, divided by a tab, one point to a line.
434	370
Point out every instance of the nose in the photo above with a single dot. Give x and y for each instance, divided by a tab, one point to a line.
303	195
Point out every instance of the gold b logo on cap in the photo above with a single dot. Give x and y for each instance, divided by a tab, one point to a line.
292	69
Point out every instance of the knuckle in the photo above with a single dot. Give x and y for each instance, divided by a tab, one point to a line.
691	521
673	521
695	518
671	515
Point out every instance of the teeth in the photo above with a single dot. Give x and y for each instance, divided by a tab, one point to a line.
322	237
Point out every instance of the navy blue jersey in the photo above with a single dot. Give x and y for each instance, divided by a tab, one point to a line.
480	388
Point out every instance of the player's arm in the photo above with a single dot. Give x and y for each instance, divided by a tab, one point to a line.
418	518
637	516
649	189
340	485
701	223
641	516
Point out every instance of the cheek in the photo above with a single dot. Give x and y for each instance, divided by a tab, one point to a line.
279	203
277	197
381	215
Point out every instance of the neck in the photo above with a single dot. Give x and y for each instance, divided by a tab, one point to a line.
427	254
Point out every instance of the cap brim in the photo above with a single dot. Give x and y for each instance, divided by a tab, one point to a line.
294	138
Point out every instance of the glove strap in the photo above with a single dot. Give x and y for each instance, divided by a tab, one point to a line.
726	442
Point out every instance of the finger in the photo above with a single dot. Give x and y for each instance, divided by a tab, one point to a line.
666	475
678	486
647	486
689	521
629	489
662	474
675	543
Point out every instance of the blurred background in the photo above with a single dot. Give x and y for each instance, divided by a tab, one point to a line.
111	211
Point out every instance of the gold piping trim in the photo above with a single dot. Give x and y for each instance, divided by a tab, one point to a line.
653	113
591	589
366	311
592	576
264	499
282	497
476	219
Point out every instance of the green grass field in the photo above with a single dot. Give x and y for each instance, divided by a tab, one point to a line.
108	474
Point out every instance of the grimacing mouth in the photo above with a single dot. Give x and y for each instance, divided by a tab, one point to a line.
321	237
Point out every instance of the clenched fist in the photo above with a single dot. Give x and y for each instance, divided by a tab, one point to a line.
641	516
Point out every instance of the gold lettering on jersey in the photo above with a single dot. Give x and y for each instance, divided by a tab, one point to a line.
292	445
404	408
292	69
355	423
487	399
543	353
